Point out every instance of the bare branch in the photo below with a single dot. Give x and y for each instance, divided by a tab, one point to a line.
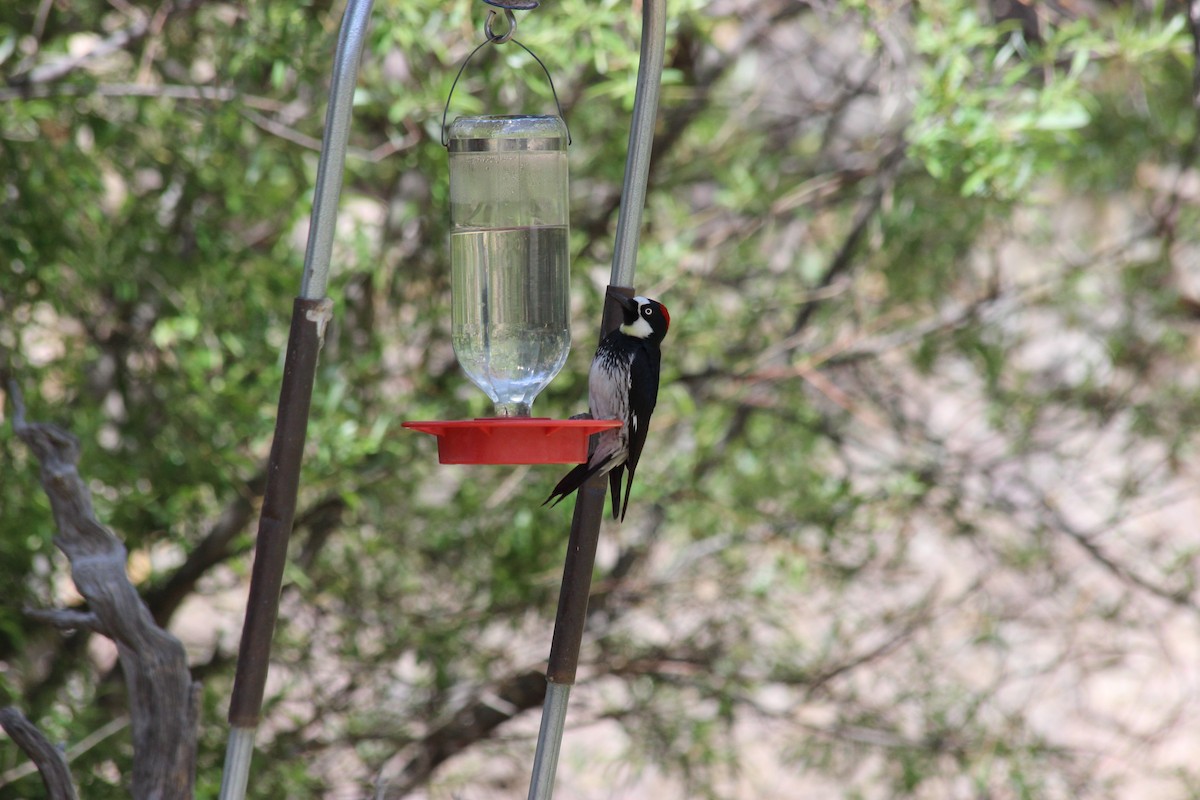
500	702
290	134
1193	7
474	723
888	167
67	618
73	752
117	40
917	619
171	91
164	600
164	702
46	757
1086	541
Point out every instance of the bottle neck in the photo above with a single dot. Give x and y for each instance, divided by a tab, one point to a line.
513	409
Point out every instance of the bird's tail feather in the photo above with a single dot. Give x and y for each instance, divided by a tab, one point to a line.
574	479
614	484
628	490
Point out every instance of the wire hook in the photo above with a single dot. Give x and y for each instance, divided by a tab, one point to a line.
492	36
485	43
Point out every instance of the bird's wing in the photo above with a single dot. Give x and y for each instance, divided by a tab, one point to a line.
643	396
608	398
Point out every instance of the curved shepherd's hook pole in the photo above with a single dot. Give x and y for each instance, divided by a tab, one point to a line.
589	503
311	313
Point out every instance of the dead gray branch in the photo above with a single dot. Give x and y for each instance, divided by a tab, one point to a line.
46	757
163	699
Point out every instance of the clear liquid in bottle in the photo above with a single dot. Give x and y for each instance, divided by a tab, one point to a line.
510	289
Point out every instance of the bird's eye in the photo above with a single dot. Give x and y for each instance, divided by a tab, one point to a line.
647	311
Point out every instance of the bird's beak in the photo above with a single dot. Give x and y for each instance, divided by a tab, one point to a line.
627	303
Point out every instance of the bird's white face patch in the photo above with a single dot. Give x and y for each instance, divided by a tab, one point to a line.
640	329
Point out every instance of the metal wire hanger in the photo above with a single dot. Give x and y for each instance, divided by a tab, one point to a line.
500	38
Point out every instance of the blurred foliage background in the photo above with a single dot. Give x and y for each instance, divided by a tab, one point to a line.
917	517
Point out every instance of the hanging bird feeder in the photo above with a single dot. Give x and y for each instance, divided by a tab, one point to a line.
490	269
510	281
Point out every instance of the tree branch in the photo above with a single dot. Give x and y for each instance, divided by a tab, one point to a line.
1086	541
163	700
862	217
1193	8
170	91
519	692
117	40
473	723
46	757
67	618
676	120
164	599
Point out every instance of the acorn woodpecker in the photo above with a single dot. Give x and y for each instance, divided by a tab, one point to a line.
622	384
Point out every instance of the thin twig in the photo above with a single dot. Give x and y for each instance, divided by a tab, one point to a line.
374	156
1086	541
39	21
94	738
170	91
154	43
888	167
117	40
1194	27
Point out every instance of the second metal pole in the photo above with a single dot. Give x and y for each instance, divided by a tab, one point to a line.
589	502
311	314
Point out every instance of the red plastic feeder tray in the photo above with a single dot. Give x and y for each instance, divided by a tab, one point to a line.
514	440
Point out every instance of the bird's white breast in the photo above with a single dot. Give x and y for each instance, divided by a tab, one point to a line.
638	330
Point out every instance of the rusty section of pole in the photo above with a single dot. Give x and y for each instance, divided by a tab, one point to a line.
589	501
581	549
309	319
576	582
310	316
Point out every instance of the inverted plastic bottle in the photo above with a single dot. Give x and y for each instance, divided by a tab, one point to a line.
510	269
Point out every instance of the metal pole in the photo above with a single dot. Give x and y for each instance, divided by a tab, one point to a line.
332	165
545	760
589	502
310	315
641	141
